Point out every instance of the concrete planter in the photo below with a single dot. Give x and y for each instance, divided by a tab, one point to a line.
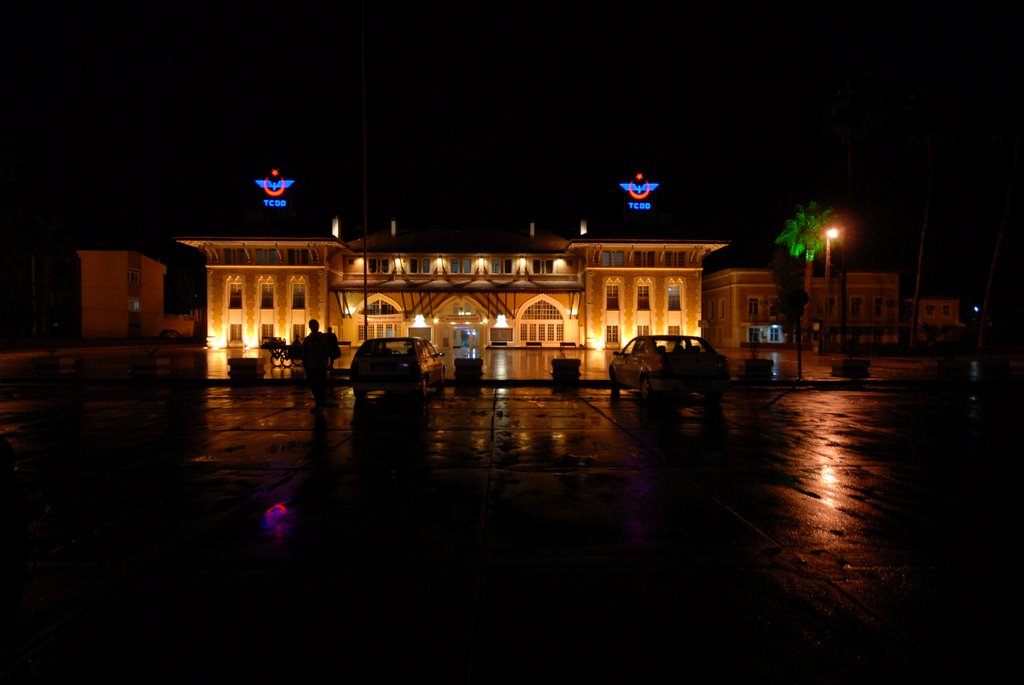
149	366
994	369
468	368
565	369
246	367
946	368
54	365
758	369
189	364
851	367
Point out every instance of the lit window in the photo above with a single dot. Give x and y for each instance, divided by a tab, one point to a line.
612	303
617	258
673	298
643	297
235	296
542	310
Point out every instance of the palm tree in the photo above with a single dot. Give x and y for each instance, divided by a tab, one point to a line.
929	115
803	236
916	306
1011	189
855	112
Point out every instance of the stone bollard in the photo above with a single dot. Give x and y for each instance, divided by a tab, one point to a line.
243	368
149	366
564	369
53	365
470	368
945	368
851	367
757	368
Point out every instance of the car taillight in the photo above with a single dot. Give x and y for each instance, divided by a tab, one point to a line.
658	363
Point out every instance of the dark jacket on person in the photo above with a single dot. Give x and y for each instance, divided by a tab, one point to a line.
316	351
332	344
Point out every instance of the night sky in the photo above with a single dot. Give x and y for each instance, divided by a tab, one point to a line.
135	122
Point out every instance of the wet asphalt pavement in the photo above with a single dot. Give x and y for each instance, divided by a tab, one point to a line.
190	533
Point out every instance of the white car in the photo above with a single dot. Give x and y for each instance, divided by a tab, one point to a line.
656	364
397	364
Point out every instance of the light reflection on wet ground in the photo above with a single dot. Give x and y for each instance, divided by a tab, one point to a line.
805	536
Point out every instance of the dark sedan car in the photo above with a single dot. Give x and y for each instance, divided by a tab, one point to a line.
397	364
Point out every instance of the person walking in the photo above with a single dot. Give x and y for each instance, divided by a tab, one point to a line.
316	359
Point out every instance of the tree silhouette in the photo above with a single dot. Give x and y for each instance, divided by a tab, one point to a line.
803	235
1011	189
857	110
788	273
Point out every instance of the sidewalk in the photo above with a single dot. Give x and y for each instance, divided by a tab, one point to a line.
500	365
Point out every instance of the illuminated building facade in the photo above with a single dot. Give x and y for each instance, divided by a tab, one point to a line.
459	289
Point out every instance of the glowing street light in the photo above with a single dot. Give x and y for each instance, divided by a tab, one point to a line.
830	235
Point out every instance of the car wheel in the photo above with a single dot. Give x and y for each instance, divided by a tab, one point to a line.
646	389
615	383
424	388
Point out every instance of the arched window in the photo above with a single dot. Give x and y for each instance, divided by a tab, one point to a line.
541	321
380	307
542	310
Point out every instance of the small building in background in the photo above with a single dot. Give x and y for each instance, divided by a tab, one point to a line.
939	321
122	294
741	308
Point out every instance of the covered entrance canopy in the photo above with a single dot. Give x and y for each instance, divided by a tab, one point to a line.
498	296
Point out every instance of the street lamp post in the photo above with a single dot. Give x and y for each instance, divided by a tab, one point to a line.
830	234
842	301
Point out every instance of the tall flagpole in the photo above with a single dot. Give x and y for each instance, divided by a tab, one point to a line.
366	327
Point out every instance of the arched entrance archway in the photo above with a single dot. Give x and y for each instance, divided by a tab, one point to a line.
462	325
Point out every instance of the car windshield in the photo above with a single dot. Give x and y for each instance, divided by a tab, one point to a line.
387	348
682	345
